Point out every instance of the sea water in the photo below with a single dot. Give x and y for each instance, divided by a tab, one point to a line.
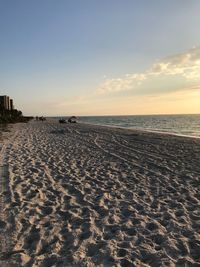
185	125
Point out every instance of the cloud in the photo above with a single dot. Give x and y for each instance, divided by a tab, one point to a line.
122	84
185	64
184	67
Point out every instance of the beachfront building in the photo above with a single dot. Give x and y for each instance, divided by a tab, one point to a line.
3	102
6	103
11	104
8	113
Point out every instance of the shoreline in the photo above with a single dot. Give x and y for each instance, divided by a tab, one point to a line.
91	195
142	130
185	125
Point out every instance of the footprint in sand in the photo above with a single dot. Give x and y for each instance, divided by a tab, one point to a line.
2	225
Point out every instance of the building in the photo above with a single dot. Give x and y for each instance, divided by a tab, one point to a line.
3	101
11	104
6	102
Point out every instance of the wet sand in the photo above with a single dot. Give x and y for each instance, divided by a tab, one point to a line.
83	195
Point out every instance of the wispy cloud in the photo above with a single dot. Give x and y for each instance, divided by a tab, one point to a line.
184	66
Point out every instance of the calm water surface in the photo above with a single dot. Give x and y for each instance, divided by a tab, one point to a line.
188	125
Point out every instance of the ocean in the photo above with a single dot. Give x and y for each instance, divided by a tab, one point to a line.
184	125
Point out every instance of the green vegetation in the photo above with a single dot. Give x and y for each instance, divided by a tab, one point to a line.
12	116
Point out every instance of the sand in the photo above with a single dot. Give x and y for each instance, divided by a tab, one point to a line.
83	195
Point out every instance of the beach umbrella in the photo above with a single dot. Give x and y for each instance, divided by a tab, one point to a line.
72	119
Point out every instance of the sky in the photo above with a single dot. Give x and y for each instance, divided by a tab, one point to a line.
100	57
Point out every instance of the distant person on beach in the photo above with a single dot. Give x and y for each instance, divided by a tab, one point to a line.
42	118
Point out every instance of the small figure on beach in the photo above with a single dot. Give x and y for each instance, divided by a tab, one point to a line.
42	118
62	120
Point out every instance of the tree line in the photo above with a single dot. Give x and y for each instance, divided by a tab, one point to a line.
12	116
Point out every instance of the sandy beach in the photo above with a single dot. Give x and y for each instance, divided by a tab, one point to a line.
85	195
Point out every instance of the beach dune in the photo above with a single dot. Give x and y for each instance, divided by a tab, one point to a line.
85	195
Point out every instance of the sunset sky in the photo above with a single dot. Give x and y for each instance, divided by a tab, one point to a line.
101	57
